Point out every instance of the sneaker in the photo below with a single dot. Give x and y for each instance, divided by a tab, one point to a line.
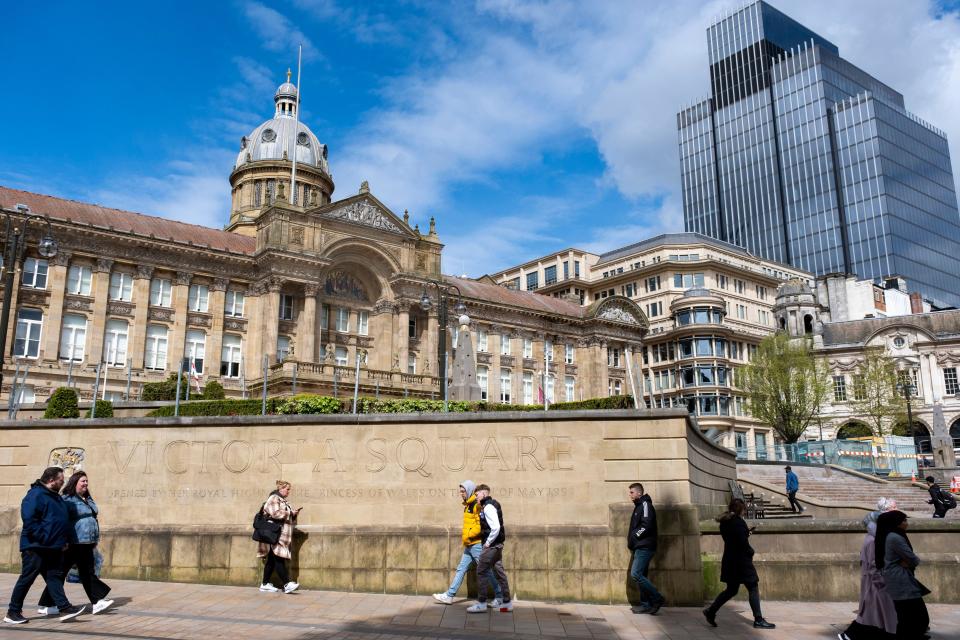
14	618
495	603
290	587
101	605
480	607
763	624
843	636
268	587
71	612
48	611
711	617
655	606
640	609
506	607
443	598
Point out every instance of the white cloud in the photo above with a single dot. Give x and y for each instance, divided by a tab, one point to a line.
277	32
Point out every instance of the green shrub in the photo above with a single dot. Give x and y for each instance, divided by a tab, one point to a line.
167	389
249	407
213	390
104	409
611	402
306	403
62	404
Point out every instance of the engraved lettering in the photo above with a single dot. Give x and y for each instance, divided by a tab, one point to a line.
114	448
496	455
424	457
203	452
167	451
147	457
275	455
244	463
527	452
378	454
443	454
561	447
331	450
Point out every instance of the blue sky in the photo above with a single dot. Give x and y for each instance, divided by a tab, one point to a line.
524	127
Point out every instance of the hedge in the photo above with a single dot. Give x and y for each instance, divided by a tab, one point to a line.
62	404
311	404
104	409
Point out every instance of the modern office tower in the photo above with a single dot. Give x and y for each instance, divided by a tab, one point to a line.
800	157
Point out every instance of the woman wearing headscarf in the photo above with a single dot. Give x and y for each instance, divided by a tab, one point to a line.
877	616
736	566
895	554
278	509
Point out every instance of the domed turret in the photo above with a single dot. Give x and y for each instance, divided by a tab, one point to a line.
264	164
796	310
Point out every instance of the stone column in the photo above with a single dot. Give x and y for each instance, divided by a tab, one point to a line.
937	383
100	290
381	330
180	298
217	303
430	354
270	318
253	340
516	350
307	325
136	342
493	373
57	284
403	333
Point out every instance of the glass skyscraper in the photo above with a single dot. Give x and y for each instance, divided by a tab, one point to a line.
801	157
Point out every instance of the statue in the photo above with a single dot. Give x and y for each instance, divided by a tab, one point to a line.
396	362
328	353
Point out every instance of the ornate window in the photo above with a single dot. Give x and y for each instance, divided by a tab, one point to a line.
199	298
230	356
196	349
78	280
73	337
34	273
155	353
115	343
160	292
121	286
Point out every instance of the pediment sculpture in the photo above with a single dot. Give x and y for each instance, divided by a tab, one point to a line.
364	213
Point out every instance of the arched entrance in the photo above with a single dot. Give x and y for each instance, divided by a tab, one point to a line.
921	434
853	429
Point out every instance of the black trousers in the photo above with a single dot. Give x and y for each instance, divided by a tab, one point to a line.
82	556
47	563
939	511
753	594
912	619
794	503
278	564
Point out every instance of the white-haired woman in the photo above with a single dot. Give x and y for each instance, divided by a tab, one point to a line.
877	616
276	556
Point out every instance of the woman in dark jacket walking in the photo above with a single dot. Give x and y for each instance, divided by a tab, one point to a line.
84	538
737	568
895	554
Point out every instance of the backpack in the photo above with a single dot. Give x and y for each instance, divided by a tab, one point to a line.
948	500
266	529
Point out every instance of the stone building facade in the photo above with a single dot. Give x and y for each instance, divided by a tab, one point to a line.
294	288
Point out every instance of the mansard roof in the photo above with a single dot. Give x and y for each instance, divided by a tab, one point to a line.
497	294
126	221
939	324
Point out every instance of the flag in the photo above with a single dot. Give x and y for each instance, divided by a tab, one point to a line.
540	394
194	374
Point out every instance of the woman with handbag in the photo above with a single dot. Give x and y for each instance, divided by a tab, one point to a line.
895	554
278	510
84	537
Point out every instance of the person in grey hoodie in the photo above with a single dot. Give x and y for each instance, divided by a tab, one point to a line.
895	554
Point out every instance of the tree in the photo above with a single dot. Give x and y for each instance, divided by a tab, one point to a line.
875	397
786	385
166	389
62	404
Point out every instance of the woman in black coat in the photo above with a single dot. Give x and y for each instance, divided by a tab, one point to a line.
737	568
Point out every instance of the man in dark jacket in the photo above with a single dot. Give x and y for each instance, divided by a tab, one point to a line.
642	541
793	485
941	503
46	527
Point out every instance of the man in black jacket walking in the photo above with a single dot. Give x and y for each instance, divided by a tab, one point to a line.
642	541
941	503
43	538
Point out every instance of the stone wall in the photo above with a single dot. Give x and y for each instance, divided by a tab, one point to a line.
379	494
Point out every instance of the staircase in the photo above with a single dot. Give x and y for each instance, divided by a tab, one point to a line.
835	486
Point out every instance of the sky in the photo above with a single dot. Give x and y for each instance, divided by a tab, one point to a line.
523	127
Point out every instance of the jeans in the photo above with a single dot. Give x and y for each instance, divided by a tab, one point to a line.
794	503
278	564
470	556
753	594
638	571
82	556
489	565
47	563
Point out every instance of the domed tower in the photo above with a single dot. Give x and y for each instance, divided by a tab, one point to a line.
261	174
795	309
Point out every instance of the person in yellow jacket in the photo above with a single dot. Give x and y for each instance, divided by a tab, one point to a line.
472	545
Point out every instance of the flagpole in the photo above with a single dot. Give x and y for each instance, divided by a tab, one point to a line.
296	134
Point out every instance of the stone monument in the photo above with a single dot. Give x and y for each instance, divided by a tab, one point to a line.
944	457
464	376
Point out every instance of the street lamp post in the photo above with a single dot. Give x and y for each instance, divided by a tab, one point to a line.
15	247
443	295
907	389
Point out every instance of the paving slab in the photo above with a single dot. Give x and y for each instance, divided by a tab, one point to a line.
176	611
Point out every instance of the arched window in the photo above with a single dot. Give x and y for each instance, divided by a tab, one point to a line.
853	429
808	324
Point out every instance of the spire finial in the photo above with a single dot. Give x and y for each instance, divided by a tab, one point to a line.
289	73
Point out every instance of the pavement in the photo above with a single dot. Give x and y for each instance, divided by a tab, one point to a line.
149	610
